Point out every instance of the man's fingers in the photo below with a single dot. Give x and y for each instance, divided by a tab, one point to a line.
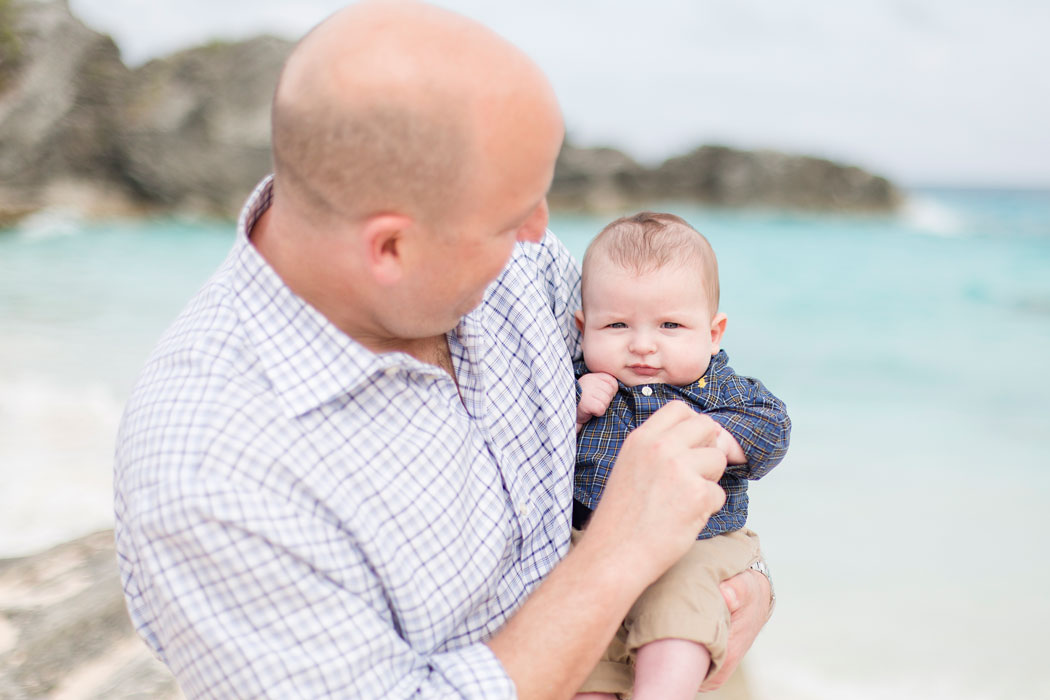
748	598
696	429
716	496
739	590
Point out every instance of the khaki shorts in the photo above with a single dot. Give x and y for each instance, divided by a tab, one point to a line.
684	603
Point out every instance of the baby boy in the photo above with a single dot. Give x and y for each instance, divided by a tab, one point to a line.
651	334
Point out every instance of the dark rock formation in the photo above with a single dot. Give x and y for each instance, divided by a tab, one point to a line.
596	179
79	129
196	130
58	107
65	633
727	177
190	133
604	179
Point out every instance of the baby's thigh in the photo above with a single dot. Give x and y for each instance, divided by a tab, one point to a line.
686	602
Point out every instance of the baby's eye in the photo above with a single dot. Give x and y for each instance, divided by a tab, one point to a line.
670	324
617	324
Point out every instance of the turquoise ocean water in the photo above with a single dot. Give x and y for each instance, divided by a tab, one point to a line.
907	528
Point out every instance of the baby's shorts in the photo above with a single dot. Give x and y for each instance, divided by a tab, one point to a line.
684	603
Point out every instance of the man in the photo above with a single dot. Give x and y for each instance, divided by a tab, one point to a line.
346	469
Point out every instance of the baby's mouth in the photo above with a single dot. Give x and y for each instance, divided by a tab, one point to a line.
644	370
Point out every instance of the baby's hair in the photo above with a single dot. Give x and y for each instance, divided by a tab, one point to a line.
648	241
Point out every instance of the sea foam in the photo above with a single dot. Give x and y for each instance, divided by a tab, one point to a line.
50	223
56	455
927	215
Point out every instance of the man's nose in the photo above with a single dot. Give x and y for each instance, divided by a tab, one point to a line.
536	225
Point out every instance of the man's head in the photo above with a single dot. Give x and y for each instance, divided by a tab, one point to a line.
412	148
650	301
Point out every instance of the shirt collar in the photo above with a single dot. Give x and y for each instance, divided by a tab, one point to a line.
306	358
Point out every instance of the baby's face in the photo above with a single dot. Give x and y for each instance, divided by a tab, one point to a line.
651	328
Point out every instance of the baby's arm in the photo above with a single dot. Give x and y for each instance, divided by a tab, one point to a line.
755	422
596	391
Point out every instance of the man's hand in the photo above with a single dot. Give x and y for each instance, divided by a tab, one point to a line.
661	492
748	597
596	391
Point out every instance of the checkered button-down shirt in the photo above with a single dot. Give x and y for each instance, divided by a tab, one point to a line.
298	517
742	405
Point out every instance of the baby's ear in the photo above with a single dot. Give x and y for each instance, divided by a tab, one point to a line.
579	320
718	329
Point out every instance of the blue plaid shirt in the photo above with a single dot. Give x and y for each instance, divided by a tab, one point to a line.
743	406
298	517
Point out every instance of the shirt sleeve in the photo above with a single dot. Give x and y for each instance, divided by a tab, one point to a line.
756	418
561	280
250	597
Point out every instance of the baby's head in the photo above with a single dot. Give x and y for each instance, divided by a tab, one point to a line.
650	301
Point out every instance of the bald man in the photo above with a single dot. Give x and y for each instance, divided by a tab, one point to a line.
346	469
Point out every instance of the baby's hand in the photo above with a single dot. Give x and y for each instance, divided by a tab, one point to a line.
596	391
730	447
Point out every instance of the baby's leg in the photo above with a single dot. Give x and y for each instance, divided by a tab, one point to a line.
669	669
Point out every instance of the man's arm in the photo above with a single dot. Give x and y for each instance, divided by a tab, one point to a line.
242	601
642	525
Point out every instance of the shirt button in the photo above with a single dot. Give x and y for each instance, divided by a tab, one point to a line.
647	391
523	510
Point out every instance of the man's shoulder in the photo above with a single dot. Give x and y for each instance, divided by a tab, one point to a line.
202	369
207	338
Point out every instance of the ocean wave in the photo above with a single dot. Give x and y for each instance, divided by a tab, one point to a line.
928	215
56	455
50	223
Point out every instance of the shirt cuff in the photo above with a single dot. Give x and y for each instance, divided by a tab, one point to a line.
477	668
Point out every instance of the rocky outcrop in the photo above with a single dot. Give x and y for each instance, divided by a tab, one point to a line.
59	101
190	133
728	177
65	633
196	125
604	179
596	179
79	129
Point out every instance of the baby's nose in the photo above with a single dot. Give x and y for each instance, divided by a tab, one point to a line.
642	345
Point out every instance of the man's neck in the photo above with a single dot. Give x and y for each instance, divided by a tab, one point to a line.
433	350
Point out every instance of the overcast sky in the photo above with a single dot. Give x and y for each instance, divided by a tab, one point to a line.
924	91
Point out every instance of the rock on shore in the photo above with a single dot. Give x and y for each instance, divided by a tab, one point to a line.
604	179
79	129
190	134
65	633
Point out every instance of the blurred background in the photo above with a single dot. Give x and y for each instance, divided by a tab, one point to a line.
876	185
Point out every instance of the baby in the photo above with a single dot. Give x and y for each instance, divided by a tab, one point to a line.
651	334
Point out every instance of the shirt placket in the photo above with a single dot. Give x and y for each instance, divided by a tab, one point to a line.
647	400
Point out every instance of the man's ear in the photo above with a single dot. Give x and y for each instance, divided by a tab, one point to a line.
579	320
384	237
718	329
